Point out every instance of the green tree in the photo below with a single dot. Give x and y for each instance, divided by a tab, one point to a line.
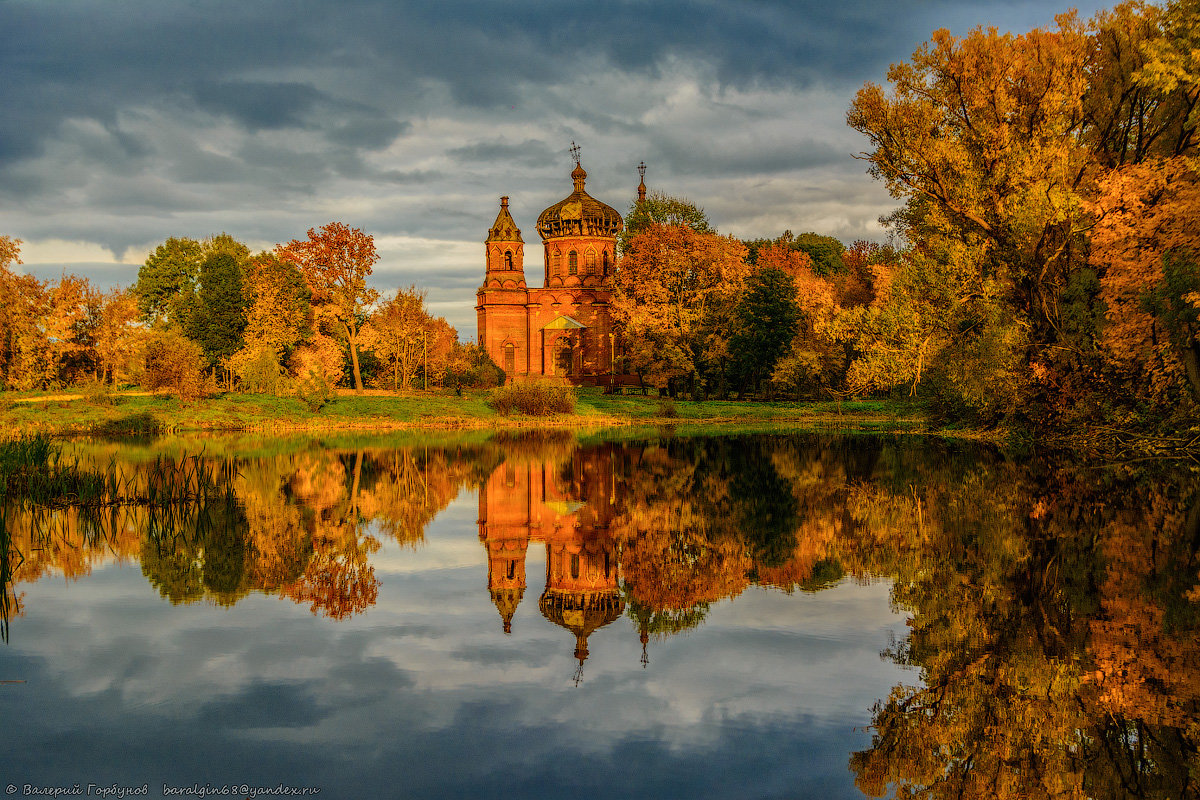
765	322
825	252
166	282
220	307
169	279
662	209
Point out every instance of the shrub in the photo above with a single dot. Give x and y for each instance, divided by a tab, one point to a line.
667	408
98	393
314	391
259	370
540	399
470	366
175	363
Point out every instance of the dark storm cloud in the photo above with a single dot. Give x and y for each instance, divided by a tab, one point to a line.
530	152
127	121
93	59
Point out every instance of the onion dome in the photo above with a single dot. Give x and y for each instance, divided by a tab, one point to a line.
581	613
580	214
504	229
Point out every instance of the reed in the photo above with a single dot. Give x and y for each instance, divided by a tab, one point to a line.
33	472
8	555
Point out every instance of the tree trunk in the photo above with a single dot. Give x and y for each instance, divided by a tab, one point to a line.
352	336
1191	364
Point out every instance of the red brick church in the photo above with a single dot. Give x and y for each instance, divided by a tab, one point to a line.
565	327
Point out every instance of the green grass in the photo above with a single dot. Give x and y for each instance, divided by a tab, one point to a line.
157	414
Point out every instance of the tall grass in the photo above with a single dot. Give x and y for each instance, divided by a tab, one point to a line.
33	472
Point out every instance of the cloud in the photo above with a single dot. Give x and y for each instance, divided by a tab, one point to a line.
126	123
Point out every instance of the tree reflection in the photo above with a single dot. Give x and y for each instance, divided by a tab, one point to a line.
1055	612
301	525
1055	630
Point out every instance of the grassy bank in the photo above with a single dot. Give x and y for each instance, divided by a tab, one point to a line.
141	413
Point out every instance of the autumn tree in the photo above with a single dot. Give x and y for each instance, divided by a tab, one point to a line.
279	316
70	329
398	333
117	335
999	146
1146	244
674	290
280	313
24	304
21	305
335	262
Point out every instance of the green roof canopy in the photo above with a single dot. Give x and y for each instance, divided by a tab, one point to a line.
563	323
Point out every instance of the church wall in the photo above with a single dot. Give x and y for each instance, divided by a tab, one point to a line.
597	246
503	320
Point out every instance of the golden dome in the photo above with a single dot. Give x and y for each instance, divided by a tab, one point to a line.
581	613
580	214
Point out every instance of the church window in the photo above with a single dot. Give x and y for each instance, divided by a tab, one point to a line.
508	259
589	261
605	262
510	358
556	263
572	263
512	570
575	565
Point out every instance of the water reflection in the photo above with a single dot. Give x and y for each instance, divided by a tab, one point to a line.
1054	633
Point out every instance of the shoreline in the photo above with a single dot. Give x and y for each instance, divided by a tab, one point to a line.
141	413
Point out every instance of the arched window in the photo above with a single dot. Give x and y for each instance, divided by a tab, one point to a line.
605	262
508	259
589	262
556	263
575	565
510	358
572	263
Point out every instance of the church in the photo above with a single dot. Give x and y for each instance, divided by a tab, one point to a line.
564	328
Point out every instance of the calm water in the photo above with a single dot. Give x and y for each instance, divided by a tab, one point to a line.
742	616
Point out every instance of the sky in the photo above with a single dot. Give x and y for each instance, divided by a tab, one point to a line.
126	122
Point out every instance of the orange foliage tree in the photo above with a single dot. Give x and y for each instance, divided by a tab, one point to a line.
1147	244
335	262
408	339
674	290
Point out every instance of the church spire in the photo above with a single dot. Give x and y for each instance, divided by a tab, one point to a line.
642	185
504	229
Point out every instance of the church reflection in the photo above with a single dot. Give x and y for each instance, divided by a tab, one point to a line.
567	506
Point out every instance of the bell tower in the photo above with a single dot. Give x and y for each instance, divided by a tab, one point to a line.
503	296
505	251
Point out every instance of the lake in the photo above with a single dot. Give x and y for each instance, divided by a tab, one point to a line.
541	615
